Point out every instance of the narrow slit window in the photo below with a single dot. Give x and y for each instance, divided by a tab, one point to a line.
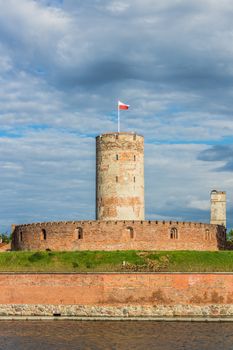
134	179
79	233
43	235
20	236
131	232
117	157
116	178
134	158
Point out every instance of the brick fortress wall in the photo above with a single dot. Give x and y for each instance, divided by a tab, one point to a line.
117	295
118	235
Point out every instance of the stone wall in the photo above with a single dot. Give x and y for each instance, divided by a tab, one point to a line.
117	294
118	235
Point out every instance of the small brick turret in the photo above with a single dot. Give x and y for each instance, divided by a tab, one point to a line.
218	208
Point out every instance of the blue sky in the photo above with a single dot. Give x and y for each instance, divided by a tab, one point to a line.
63	66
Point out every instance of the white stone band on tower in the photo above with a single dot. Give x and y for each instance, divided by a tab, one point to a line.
120	176
218	208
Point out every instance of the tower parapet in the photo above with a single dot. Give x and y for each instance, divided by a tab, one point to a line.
218	208
120	176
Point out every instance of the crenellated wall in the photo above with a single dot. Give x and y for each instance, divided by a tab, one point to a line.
118	235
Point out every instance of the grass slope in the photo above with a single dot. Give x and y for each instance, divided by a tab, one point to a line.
88	261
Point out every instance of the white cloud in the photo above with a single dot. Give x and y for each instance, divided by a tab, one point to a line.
199	204
177	183
62	69
117	7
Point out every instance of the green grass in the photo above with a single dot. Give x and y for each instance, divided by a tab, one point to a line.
118	261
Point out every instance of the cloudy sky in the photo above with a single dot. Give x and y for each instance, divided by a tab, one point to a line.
63	66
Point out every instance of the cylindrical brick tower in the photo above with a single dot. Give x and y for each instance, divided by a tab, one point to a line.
120	176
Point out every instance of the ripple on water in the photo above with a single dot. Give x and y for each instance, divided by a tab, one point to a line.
70	335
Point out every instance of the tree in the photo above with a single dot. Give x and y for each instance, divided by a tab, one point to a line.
5	238
230	235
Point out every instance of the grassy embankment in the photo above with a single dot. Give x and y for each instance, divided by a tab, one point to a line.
87	261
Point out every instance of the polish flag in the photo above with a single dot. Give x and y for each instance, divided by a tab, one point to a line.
122	105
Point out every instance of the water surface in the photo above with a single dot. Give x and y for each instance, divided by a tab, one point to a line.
17	335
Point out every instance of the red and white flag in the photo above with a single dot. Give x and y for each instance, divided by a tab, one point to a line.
122	105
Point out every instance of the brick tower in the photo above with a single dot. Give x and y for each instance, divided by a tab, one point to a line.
120	176
218	208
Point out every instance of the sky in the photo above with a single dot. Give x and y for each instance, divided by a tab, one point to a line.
63	67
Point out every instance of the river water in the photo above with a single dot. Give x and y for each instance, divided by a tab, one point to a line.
40	335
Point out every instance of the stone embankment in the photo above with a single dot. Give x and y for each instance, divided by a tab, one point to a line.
117	295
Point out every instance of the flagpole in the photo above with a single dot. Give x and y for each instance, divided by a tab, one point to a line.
118	117
120	106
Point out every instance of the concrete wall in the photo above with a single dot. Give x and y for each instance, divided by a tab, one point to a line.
118	235
120	176
115	294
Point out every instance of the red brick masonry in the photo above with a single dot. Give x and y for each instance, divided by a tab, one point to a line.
118	235
116	288
117	294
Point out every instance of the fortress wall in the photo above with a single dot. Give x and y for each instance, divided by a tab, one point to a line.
116	294
118	235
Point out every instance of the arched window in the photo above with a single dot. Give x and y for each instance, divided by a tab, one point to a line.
207	234
79	233
130	231
43	235
174	233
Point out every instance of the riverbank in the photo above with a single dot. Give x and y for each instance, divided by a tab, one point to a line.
117	261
